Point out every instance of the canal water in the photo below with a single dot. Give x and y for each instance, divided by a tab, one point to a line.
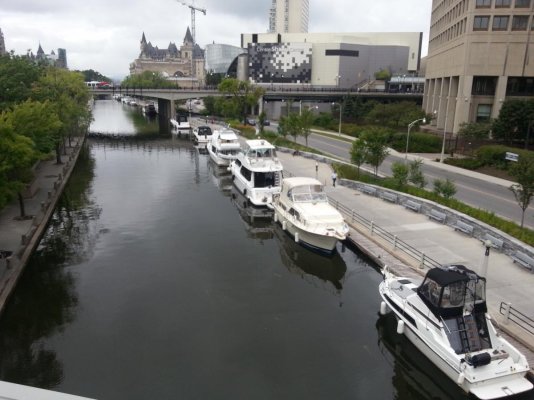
155	282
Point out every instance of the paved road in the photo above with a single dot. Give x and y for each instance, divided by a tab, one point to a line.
477	190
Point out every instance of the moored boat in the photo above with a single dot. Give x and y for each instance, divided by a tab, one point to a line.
223	147
303	210
202	135
257	172
446	318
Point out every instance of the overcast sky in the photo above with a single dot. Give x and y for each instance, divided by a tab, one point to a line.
104	35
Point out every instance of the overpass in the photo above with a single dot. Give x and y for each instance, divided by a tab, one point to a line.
167	97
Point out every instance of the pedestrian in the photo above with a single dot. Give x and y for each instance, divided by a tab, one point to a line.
334	177
316	169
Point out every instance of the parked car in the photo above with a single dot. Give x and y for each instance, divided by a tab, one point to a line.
251	121
266	122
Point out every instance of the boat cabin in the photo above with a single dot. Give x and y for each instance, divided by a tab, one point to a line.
307	192
457	297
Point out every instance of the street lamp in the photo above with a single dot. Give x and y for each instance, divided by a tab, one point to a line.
338	77
339	125
410	125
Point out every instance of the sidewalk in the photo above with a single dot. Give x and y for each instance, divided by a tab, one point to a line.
507	282
21	236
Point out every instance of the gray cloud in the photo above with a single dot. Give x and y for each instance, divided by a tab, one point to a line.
104	35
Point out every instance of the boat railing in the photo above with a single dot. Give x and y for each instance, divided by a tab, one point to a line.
511	314
396	243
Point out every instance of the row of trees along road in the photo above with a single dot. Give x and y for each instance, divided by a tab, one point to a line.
41	109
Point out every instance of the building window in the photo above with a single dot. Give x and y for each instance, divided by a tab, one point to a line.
522	3
483	3
483	112
502	3
520	22
500	22
481	24
484	86
520	86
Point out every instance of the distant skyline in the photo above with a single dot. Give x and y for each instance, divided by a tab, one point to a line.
105	36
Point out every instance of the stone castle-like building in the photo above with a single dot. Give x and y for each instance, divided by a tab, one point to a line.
184	64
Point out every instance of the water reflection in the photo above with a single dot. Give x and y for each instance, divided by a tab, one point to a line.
309	265
46	299
415	377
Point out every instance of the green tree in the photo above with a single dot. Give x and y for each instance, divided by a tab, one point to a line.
69	96
400	173
523	190
514	120
376	143
39	122
210	105
243	94
17	75
92	75
358	153
261	121
148	79
294	126
395	115
306	121
17	155
383	74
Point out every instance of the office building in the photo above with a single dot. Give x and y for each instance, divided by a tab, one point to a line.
219	57
289	16
343	60
479	54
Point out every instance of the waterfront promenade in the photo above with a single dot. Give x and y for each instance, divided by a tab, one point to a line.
21	236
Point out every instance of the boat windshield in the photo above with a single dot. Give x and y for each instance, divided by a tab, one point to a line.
308	193
261	153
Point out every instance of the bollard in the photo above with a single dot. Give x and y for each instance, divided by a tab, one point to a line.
507	313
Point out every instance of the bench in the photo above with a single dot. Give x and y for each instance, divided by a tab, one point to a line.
465	228
389	197
369	190
523	259
496	243
412	205
437	215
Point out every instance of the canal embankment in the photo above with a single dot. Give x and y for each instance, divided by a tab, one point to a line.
508	283
19	236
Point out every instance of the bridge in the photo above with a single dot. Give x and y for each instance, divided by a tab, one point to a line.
167	97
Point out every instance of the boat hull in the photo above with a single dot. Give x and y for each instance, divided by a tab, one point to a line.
320	243
496	387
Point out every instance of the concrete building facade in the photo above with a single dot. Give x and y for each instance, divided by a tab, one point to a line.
289	16
344	60
479	54
219	57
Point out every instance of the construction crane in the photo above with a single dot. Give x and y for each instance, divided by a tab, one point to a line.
193	9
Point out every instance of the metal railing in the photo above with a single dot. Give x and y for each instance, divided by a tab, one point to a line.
517	317
396	243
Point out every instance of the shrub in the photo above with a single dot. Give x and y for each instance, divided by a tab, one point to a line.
493	155
467	163
419	142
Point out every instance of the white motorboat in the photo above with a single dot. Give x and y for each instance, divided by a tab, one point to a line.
202	135
303	210
446	318
257	172
223	147
181	126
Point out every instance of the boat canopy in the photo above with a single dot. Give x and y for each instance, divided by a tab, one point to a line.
452	290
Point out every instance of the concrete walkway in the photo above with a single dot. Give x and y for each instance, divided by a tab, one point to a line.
507	282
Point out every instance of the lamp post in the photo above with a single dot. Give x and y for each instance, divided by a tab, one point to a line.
339	125
410	125
338	78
